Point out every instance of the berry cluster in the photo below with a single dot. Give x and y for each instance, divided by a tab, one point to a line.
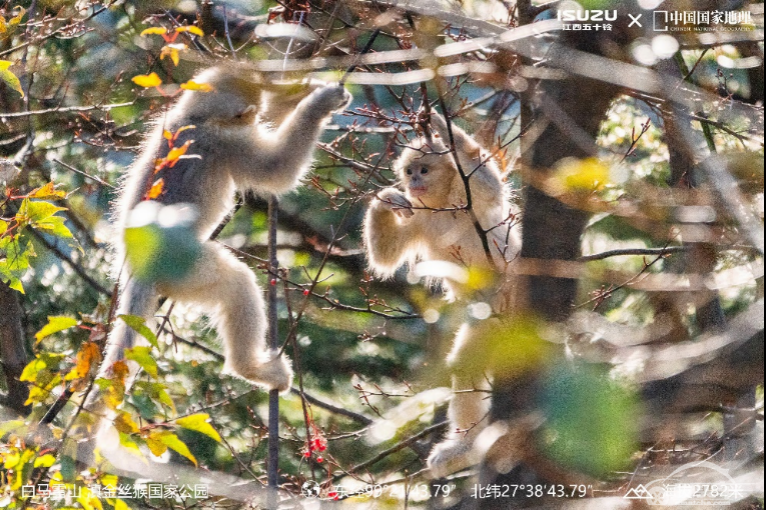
317	444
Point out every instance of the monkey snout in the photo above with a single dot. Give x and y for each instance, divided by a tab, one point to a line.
418	191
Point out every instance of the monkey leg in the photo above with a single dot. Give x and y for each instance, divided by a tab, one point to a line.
468	409
221	283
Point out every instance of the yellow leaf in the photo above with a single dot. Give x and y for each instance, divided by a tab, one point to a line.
147	80
125	424
107	479
9	78
112	392
177	152
192	30
10	460
120	371
172	442
55	324
193	85
126	441
46	460
155	444
47	191
88	356
199	423
169	51
167	135
582	174
40	393
119	504
153	31
88	500
3	28
156	189
17	19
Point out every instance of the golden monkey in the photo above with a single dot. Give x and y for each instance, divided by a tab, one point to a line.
419	223
229	148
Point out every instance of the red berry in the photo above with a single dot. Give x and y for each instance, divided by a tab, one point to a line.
306	292
307	454
320	459
273	282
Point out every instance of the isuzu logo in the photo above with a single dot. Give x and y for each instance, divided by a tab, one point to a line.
587	15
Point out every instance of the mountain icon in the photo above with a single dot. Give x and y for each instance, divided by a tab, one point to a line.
639	492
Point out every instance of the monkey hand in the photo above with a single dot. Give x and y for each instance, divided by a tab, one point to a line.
439	125
270	370
329	99
395	201
452	455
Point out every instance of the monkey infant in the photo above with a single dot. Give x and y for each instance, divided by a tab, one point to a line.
405	226
229	148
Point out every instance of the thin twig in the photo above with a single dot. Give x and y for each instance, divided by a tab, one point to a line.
398	446
632	251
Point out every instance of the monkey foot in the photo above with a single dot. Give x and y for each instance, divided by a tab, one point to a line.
452	455
273	371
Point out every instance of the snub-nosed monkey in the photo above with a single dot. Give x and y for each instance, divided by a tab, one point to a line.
424	219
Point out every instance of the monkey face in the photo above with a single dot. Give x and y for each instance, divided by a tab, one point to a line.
231	101
428	178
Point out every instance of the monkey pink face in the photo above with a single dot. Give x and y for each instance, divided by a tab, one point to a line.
428	179
418	180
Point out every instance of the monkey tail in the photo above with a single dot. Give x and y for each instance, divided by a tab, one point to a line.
137	299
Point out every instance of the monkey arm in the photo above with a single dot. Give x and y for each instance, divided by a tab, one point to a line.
391	240
466	147
488	191
274	161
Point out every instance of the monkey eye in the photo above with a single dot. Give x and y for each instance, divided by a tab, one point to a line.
423	170
409	171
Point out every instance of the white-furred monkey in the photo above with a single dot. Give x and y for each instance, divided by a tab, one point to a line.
229	148
419	222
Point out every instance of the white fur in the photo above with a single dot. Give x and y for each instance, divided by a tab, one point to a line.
231	149
398	230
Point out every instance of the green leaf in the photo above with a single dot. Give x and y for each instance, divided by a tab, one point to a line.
138	324
68	468
199	423
143	356
55	227
10	426
130	445
8	277
34	211
592	421
156	391
55	324
16	261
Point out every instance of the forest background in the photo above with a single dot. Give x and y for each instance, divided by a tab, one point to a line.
646	295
